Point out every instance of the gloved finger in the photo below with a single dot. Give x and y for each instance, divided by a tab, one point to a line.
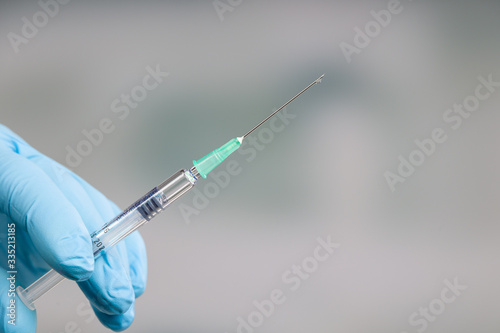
137	258
117	323
15	317
138	263
109	288
9	136
32	200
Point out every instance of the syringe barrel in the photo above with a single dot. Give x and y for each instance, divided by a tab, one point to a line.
140	212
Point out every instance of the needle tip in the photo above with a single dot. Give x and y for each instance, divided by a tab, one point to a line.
319	79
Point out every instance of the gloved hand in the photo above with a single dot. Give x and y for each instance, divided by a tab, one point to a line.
54	211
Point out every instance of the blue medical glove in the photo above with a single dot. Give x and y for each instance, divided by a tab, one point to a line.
53	212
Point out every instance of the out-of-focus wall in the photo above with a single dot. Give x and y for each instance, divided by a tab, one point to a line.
327	169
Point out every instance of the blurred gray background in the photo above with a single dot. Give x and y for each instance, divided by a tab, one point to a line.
322	175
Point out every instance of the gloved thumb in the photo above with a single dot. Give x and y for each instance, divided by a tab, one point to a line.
31	199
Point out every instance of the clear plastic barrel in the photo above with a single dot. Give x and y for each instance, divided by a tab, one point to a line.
120	227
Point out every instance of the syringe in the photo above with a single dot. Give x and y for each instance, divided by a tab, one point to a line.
147	207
